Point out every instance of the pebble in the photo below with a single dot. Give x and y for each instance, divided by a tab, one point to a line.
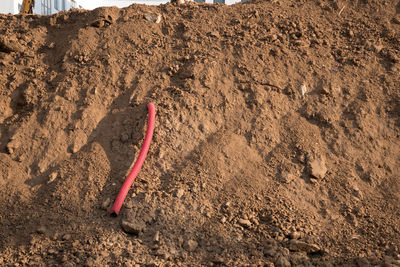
282	261
128	204
270	251
66	237
244	223
179	192
318	168
396	19
223	219
156	238
303	90
41	229
295	235
190	245
52	251
296	245
362	262
287	177
52	177
106	204
133	227
156	18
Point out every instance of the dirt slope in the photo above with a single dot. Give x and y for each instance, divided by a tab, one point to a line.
276	141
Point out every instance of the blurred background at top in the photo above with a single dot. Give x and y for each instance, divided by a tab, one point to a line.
48	7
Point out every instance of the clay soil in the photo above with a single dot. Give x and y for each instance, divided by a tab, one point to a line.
276	140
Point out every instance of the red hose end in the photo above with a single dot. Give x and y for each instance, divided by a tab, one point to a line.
138	164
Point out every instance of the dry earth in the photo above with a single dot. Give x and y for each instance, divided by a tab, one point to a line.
276	141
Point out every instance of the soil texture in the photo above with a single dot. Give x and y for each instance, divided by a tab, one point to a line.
277	137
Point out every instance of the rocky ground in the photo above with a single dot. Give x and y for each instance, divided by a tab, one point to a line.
276	140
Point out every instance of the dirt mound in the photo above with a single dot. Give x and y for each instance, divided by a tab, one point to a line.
276	140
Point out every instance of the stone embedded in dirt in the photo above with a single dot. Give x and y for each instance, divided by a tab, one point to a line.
128	204
66	237
133	226
297	245
318	168
223	219
302	90
156	238
270	251
295	235
179	193
52	177
287	177
152	17
244	223
106	203
255	221
282	261
41	229
190	245
396	19
52	251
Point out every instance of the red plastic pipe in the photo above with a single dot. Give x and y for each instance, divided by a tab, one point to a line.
138	164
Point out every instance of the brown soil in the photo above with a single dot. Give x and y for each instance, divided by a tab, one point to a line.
276	141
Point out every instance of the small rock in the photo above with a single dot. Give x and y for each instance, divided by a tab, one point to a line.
156	238
217	259
52	251
41	229
52	177
215	34
255	221
128	204
318	168
133	227
106	204
66	237
377	47
223	219
357	192
296	245
270	242
162	253
244	223
361	262
287	177
270	251
303	90
282	261
388	259
152	17
295	235
179	192
190	245
396	19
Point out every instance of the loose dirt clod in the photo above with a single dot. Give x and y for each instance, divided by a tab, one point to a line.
133	226
318	168
190	245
